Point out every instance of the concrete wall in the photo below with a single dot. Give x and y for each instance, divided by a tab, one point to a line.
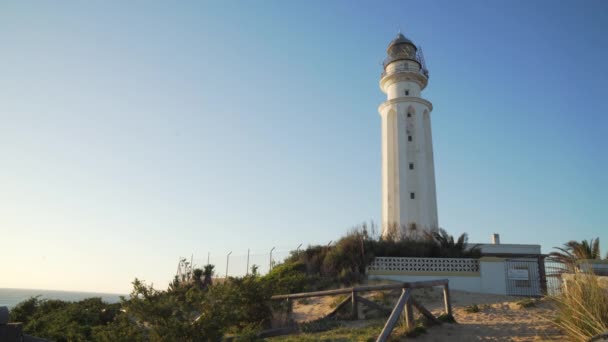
491	277
504	248
467	283
599	267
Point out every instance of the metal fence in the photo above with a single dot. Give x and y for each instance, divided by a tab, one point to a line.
553	276
240	263
523	277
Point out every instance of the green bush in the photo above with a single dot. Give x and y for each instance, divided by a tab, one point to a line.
185	312
526	303
472	308
288	277
64	321
345	262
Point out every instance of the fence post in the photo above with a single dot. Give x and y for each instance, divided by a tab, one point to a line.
227	259
392	319
446	299
289	311
247	269
542	275
354	305
270	262
409	314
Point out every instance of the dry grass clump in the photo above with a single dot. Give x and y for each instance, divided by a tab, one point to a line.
583	307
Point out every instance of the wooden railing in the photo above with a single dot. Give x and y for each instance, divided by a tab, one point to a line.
405	303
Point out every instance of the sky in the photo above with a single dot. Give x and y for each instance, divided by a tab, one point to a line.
135	133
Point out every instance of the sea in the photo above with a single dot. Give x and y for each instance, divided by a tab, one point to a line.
12	297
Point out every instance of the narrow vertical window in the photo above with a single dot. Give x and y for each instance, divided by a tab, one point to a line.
407	93
409	138
411	166
412	196
409	115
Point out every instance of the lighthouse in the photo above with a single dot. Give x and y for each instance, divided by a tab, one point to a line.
409	201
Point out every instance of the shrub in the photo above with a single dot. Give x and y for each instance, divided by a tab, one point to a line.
583	307
288	277
64	321
185	312
526	303
472	308
345	263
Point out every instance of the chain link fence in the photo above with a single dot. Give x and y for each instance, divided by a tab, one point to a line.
238	263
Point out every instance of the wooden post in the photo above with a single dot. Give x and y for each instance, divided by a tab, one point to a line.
376	306
409	314
355	306
446	299
424	311
394	317
289	311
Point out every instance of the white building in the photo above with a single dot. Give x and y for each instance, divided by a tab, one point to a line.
408	172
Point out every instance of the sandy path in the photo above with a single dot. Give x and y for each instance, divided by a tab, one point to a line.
499	318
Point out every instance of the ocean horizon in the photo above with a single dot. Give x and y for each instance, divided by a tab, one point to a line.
10	297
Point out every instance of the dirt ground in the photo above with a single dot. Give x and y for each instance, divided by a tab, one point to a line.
499	318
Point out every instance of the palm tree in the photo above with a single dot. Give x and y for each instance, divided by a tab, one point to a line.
446	241
574	251
448	247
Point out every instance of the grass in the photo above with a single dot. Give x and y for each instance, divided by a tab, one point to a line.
304	301
445	318
583	307
404	331
382	298
339	334
526	303
331	330
472	308
319	325
337	300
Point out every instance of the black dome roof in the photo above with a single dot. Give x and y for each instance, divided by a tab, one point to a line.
399	40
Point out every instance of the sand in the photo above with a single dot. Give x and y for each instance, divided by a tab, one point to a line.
500	318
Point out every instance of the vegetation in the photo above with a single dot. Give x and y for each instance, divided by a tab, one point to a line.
583	307
63	321
472	308
369	333
574	251
185	312
526	303
193	308
344	264
445	318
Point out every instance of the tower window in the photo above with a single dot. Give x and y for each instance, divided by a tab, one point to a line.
411	166
409	115
407	93
412	195
409	138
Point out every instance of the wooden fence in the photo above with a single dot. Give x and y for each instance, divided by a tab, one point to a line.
405	304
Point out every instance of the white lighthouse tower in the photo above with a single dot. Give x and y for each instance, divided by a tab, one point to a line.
409	203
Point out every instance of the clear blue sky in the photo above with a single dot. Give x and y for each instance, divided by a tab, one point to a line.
132	133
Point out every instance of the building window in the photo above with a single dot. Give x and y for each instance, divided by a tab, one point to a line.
409	115
407	93
411	166
412	195
409	138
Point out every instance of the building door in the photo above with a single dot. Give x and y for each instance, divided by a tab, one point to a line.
523	277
